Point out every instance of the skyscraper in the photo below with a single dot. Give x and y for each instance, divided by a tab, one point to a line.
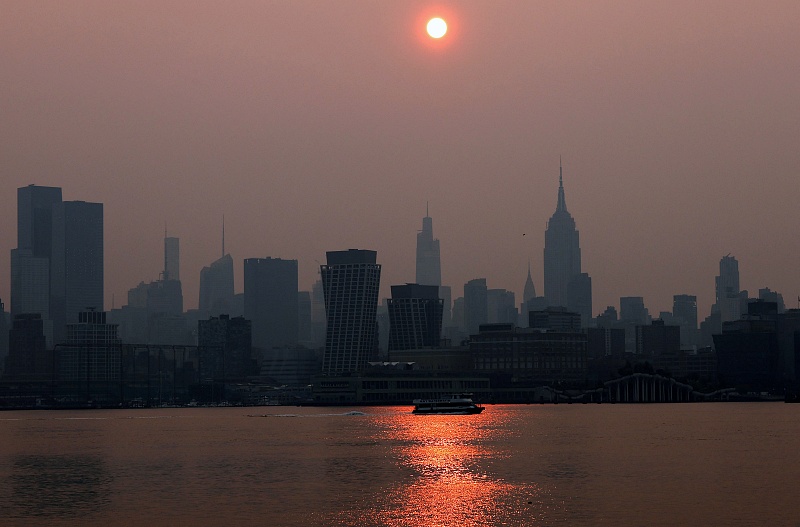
579	297
632	313
30	261
351	281
729	301
304	332
684	309
318	318
529	292
76	267
562	252
500	306
4	325
172	259
216	287
415	317
476	305
429	270
35	218
270	301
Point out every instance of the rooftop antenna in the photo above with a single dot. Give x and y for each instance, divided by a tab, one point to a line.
426	209
223	235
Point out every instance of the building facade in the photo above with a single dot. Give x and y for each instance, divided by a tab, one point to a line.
429	270
555	319
684	309
31	260
270	301
579	297
415	317
216	287
89	360
172	258
562	252
476	305
28	356
77	264
531	355
728	295
225	348
351	282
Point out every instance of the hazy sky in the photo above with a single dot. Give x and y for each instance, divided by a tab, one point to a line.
316	125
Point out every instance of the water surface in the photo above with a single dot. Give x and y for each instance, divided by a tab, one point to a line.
681	464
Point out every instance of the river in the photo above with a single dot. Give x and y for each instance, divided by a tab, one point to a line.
661	464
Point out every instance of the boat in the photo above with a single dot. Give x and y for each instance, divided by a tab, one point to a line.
456	404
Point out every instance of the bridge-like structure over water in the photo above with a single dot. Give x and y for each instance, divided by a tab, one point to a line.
647	388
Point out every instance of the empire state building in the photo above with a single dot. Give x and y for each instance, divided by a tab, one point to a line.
562	252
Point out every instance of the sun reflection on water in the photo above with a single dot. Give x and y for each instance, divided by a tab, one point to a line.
447	460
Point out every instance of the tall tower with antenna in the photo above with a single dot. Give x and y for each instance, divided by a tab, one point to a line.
564	283
429	269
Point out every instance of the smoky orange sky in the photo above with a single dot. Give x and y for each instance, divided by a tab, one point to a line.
316	126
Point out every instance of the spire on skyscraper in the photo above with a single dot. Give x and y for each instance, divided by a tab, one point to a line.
562	202
529	292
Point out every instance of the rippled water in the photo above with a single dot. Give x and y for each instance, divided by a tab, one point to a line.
689	464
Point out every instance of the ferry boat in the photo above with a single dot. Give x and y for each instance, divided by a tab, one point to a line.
456	404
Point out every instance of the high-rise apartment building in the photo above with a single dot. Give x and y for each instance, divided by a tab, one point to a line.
270	301
415	317
562	252
351	282
429	270
76	267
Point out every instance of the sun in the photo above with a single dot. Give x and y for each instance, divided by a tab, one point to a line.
437	27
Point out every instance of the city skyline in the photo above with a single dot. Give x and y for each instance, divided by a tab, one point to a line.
676	126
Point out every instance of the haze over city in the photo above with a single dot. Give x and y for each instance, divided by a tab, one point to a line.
314	127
